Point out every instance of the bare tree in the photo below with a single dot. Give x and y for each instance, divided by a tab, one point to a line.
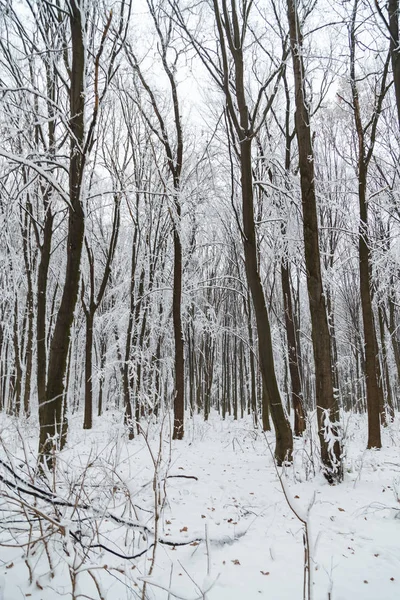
173	144
327	407
229	73
366	137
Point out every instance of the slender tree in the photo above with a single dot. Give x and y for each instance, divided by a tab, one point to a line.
365	149
327	407
232	26
173	143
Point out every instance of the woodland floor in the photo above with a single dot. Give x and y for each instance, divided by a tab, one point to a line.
255	543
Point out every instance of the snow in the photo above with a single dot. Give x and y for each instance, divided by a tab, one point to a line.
244	541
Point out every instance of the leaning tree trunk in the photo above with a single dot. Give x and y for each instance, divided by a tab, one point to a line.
327	407
51	416
284	440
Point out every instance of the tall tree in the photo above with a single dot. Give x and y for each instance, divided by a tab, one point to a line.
173	144
229	72
366	137
327	407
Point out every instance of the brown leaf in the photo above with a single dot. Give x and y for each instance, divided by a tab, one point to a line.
392	579
365	581
194	544
236	561
265	572
168	522
203	516
10	566
297	497
341	509
183	529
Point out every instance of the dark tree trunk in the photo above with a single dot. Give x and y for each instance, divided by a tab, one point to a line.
375	401
41	305
326	403
88	415
179	400
297	400
51	412
374	390
284	441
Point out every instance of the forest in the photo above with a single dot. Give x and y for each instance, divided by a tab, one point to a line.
200	304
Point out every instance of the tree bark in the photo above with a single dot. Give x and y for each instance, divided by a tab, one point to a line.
327	407
375	401
284	441
297	396
51	411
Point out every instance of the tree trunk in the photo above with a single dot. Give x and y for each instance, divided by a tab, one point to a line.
51	412
41	305
297	396
284	440
374	390
179	393
88	416
375	401
327	408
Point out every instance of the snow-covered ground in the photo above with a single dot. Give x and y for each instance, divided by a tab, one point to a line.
219	493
